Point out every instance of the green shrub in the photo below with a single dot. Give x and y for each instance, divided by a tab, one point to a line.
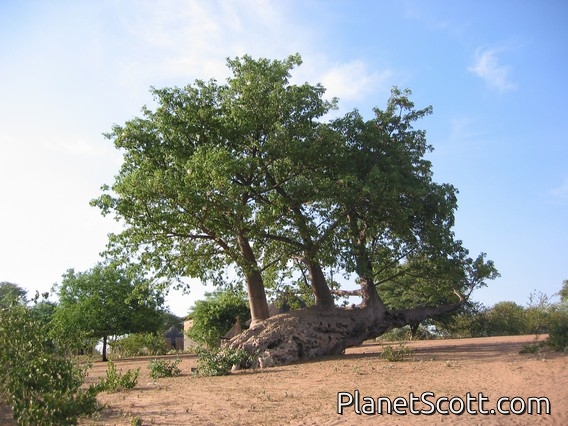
42	386
162	368
215	316
397	354
532	348
558	330
219	362
115	381
395	335
138	344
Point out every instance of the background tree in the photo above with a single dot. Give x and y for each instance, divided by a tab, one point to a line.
246	176
11	293
214	316
468	321
105	301
431	281
563	293
507	319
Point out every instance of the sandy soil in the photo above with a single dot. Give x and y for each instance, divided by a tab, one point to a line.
307	393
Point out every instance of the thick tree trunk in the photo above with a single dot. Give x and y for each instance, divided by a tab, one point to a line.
323	295
315	332
255	285
256	297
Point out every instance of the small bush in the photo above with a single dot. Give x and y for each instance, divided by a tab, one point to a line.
136	421
397	354
532	348
215	316
558	330
115	381
138	344
395	335
218	362
42	386
162	368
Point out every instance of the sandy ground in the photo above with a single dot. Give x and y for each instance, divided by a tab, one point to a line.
307	393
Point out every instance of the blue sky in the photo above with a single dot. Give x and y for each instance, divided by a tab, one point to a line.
494	71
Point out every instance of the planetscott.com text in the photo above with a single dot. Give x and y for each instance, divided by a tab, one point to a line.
427	404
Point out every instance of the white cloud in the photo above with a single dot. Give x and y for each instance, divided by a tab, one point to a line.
81	147
353	81
561	191
488	68
191	39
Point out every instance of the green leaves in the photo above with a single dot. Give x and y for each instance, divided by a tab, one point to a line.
42	386
106	301
247	174
214	316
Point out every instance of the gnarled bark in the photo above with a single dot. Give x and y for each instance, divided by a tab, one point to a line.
316	331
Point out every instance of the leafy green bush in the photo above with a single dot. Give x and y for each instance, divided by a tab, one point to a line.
558	330
115	381
215	316
138	344
42	386
507	319
397	354
395	335
162	368
218	362
532	348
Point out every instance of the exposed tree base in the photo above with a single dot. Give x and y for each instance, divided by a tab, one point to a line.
314	332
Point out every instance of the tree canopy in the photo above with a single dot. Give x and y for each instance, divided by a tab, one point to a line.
11	293
105	301
214	316
249	176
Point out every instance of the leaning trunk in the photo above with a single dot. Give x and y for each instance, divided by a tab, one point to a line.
315	332
320	288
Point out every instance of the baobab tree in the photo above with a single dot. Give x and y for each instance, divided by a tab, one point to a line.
248	176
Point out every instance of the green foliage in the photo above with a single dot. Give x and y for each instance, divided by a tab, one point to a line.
563	293
248	176
116	381
537	313
42	386
138	344
163	368
532	348
214	316
558	329
469	321
11	294
219	362
395	335
398	354
105	301
507	319
136	421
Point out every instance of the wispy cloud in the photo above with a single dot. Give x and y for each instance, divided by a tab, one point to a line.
487	67
192	39
561	192
353	80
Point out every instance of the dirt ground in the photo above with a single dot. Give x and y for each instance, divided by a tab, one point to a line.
307	393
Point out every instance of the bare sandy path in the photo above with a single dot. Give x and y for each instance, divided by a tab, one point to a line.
307	393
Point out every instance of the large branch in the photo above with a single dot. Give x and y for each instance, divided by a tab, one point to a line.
403	317
346	293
